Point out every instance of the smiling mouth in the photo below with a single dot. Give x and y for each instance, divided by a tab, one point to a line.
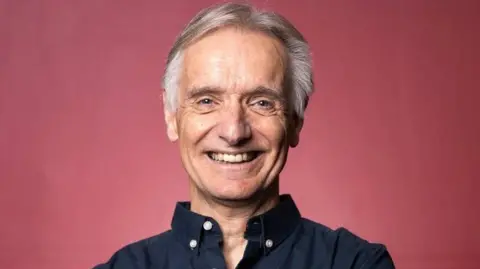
233	158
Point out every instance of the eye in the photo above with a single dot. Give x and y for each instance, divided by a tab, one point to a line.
264	104
205	101
205	104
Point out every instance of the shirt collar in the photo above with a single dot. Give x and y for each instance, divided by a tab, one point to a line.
269	229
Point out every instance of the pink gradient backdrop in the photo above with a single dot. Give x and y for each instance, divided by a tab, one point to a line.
390	147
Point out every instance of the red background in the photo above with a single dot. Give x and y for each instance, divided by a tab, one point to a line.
390	147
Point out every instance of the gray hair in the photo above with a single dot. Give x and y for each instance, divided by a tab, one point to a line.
299	70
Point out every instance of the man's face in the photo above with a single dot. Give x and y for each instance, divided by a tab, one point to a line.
232	123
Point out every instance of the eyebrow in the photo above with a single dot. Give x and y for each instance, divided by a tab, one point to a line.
260	90
197	92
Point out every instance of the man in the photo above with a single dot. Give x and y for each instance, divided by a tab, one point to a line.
236	85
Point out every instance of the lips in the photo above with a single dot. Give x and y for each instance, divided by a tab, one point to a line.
240	157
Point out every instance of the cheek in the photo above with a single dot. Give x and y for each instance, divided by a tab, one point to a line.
194	127
273	129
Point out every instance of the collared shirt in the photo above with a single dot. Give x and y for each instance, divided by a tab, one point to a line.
277	239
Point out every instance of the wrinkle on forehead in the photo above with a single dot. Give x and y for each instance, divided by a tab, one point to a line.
234	60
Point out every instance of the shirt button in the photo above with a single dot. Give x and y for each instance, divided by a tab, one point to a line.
207	225
193	243
269	243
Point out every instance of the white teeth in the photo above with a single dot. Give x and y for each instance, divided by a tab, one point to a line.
232	158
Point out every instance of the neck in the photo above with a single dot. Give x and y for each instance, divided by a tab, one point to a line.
233	216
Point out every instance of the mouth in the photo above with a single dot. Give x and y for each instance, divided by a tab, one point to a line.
237	158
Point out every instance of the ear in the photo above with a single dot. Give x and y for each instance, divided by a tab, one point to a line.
296	124
170	120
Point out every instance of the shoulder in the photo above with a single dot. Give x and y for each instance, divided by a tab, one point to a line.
138	254
344	249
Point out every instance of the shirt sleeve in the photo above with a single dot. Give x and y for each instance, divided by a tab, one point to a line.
126	258
353	252
379	259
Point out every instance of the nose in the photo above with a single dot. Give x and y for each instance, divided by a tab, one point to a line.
234	126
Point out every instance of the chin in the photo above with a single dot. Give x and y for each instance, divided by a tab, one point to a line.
233	195
232	188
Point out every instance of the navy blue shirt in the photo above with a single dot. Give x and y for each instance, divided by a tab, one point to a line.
277	239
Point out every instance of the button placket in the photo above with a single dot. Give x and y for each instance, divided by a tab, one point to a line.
207	225
193	243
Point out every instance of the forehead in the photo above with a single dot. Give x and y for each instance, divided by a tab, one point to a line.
234	59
